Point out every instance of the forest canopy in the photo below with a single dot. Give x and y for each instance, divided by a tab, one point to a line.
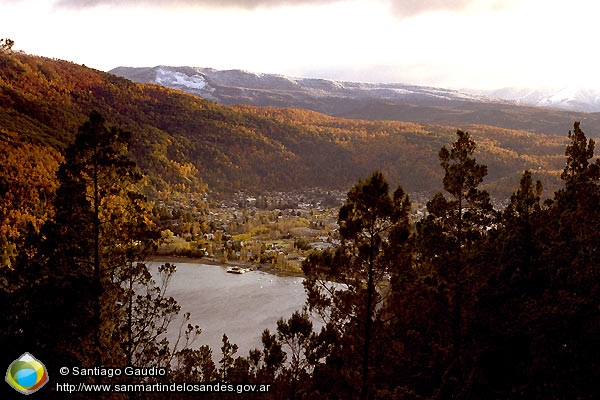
184	143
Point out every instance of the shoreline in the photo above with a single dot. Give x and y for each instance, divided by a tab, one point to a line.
211	261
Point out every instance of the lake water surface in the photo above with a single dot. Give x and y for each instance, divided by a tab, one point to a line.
241	306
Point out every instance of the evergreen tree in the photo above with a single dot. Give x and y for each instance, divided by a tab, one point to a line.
567	310
521	224
449	236
576	213
362	267
510	278
273	356
86	271
101	214
537	317
471	206
228	350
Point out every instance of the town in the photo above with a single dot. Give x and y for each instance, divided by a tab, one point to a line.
273	231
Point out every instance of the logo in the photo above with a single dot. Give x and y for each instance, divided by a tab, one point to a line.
26	375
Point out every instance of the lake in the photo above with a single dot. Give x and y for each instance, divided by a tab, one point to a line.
241	306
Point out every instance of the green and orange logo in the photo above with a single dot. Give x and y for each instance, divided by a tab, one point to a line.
27	374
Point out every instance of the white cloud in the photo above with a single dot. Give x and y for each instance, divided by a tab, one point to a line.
239	4
463	43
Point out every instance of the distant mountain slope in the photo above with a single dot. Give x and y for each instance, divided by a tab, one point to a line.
567	98
183	142
516	110
228	87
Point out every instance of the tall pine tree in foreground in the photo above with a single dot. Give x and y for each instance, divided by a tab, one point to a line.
537	320
576	213
101	227
98	306
571	271
349	287
449	237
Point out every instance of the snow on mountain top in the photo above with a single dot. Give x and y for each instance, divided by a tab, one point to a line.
567	98
172	78
214	84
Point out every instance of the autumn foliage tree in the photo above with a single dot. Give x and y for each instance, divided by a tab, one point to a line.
6	45
27	184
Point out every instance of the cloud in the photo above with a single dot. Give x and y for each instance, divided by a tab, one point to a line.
411	8
400	8
242	4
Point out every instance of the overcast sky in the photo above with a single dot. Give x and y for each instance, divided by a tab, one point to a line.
450	43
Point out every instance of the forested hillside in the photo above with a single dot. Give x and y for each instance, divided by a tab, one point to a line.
381	101
182	142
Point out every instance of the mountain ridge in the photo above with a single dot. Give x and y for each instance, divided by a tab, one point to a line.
369	101
213	80
565	98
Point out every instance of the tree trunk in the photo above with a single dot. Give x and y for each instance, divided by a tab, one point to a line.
368	321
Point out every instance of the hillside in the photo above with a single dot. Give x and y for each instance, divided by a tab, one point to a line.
508	109
183	142
240	87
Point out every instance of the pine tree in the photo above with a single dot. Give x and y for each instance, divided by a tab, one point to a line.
86	263
361	264
576	211
567	310
448	237
539	309
297	337
510	281
521	226
100	210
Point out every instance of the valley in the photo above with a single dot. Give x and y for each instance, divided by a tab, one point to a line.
197	154
441	253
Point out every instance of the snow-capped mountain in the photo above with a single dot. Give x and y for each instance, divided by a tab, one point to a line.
567	98
235	86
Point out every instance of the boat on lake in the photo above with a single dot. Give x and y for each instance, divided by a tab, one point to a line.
237	270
